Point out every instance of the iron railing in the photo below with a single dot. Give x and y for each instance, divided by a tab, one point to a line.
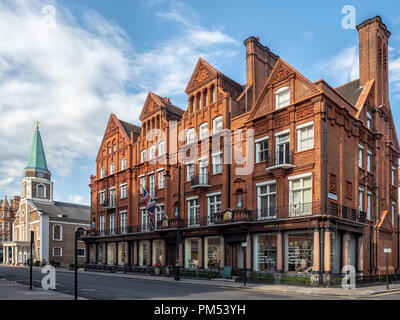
200	180
280	158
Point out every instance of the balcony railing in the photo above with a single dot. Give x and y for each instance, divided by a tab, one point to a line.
280	159
200	181
109	205
108	232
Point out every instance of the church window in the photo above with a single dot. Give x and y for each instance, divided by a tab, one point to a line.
41	191
57	232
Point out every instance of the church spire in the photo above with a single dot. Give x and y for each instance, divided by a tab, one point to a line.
37	158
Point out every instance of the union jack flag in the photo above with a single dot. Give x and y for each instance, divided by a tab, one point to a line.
150	205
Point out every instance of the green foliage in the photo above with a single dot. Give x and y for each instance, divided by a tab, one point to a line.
262	277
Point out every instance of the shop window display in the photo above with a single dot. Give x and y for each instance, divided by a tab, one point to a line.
300	252
265	252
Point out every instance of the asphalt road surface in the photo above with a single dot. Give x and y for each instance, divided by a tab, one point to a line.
101	287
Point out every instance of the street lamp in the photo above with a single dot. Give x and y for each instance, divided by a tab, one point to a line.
178	235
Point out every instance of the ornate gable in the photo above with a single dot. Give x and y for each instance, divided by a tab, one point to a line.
281	74
203	72
151	105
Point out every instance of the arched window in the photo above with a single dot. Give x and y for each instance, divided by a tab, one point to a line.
57	232
41	191
282	97
80	230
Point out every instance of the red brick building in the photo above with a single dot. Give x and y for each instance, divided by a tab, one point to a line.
304	173
8	211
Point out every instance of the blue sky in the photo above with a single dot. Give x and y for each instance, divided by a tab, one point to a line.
104	56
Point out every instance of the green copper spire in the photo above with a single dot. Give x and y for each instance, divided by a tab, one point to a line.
37	159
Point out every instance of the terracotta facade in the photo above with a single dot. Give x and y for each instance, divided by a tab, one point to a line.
304	173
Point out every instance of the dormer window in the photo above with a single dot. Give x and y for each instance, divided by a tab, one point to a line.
217	124
282	97
102	173
112	168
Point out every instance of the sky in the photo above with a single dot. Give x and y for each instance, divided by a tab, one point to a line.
70	63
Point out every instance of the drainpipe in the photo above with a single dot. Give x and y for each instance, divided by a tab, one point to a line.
325	207
373	244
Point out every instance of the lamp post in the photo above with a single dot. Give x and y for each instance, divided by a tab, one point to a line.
178	234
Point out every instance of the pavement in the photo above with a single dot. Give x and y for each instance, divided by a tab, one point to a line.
339	293
10	290
270	288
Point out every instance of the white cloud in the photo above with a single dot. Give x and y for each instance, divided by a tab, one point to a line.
394	75
341	68
76	198
72	77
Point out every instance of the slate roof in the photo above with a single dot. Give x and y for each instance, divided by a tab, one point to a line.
37	158
129	127
351	91
70	211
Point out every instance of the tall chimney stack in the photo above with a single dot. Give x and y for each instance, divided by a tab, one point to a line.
373	55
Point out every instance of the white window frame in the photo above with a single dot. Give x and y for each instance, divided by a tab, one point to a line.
369	205
61	232
300	139
360	199
369	120
189	177
360	155
102	196
123	221
61	252
112	168
190	136
124	191
145	225
142	182
152	152
102	173
123	164
102	224
219	164
202	134
44	191
302	188
258	146
161	179
161	148
217	124
84	252
152	185
195	208
259	195
143	155
159	210
213	205
113	220
112	191
278	94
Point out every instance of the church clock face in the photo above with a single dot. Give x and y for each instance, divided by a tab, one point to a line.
40	175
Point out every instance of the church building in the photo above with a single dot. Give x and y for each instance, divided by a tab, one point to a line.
54	223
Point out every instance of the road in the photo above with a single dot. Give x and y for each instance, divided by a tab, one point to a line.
102	287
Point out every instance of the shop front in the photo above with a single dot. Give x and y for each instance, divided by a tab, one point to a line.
265	252
192	253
